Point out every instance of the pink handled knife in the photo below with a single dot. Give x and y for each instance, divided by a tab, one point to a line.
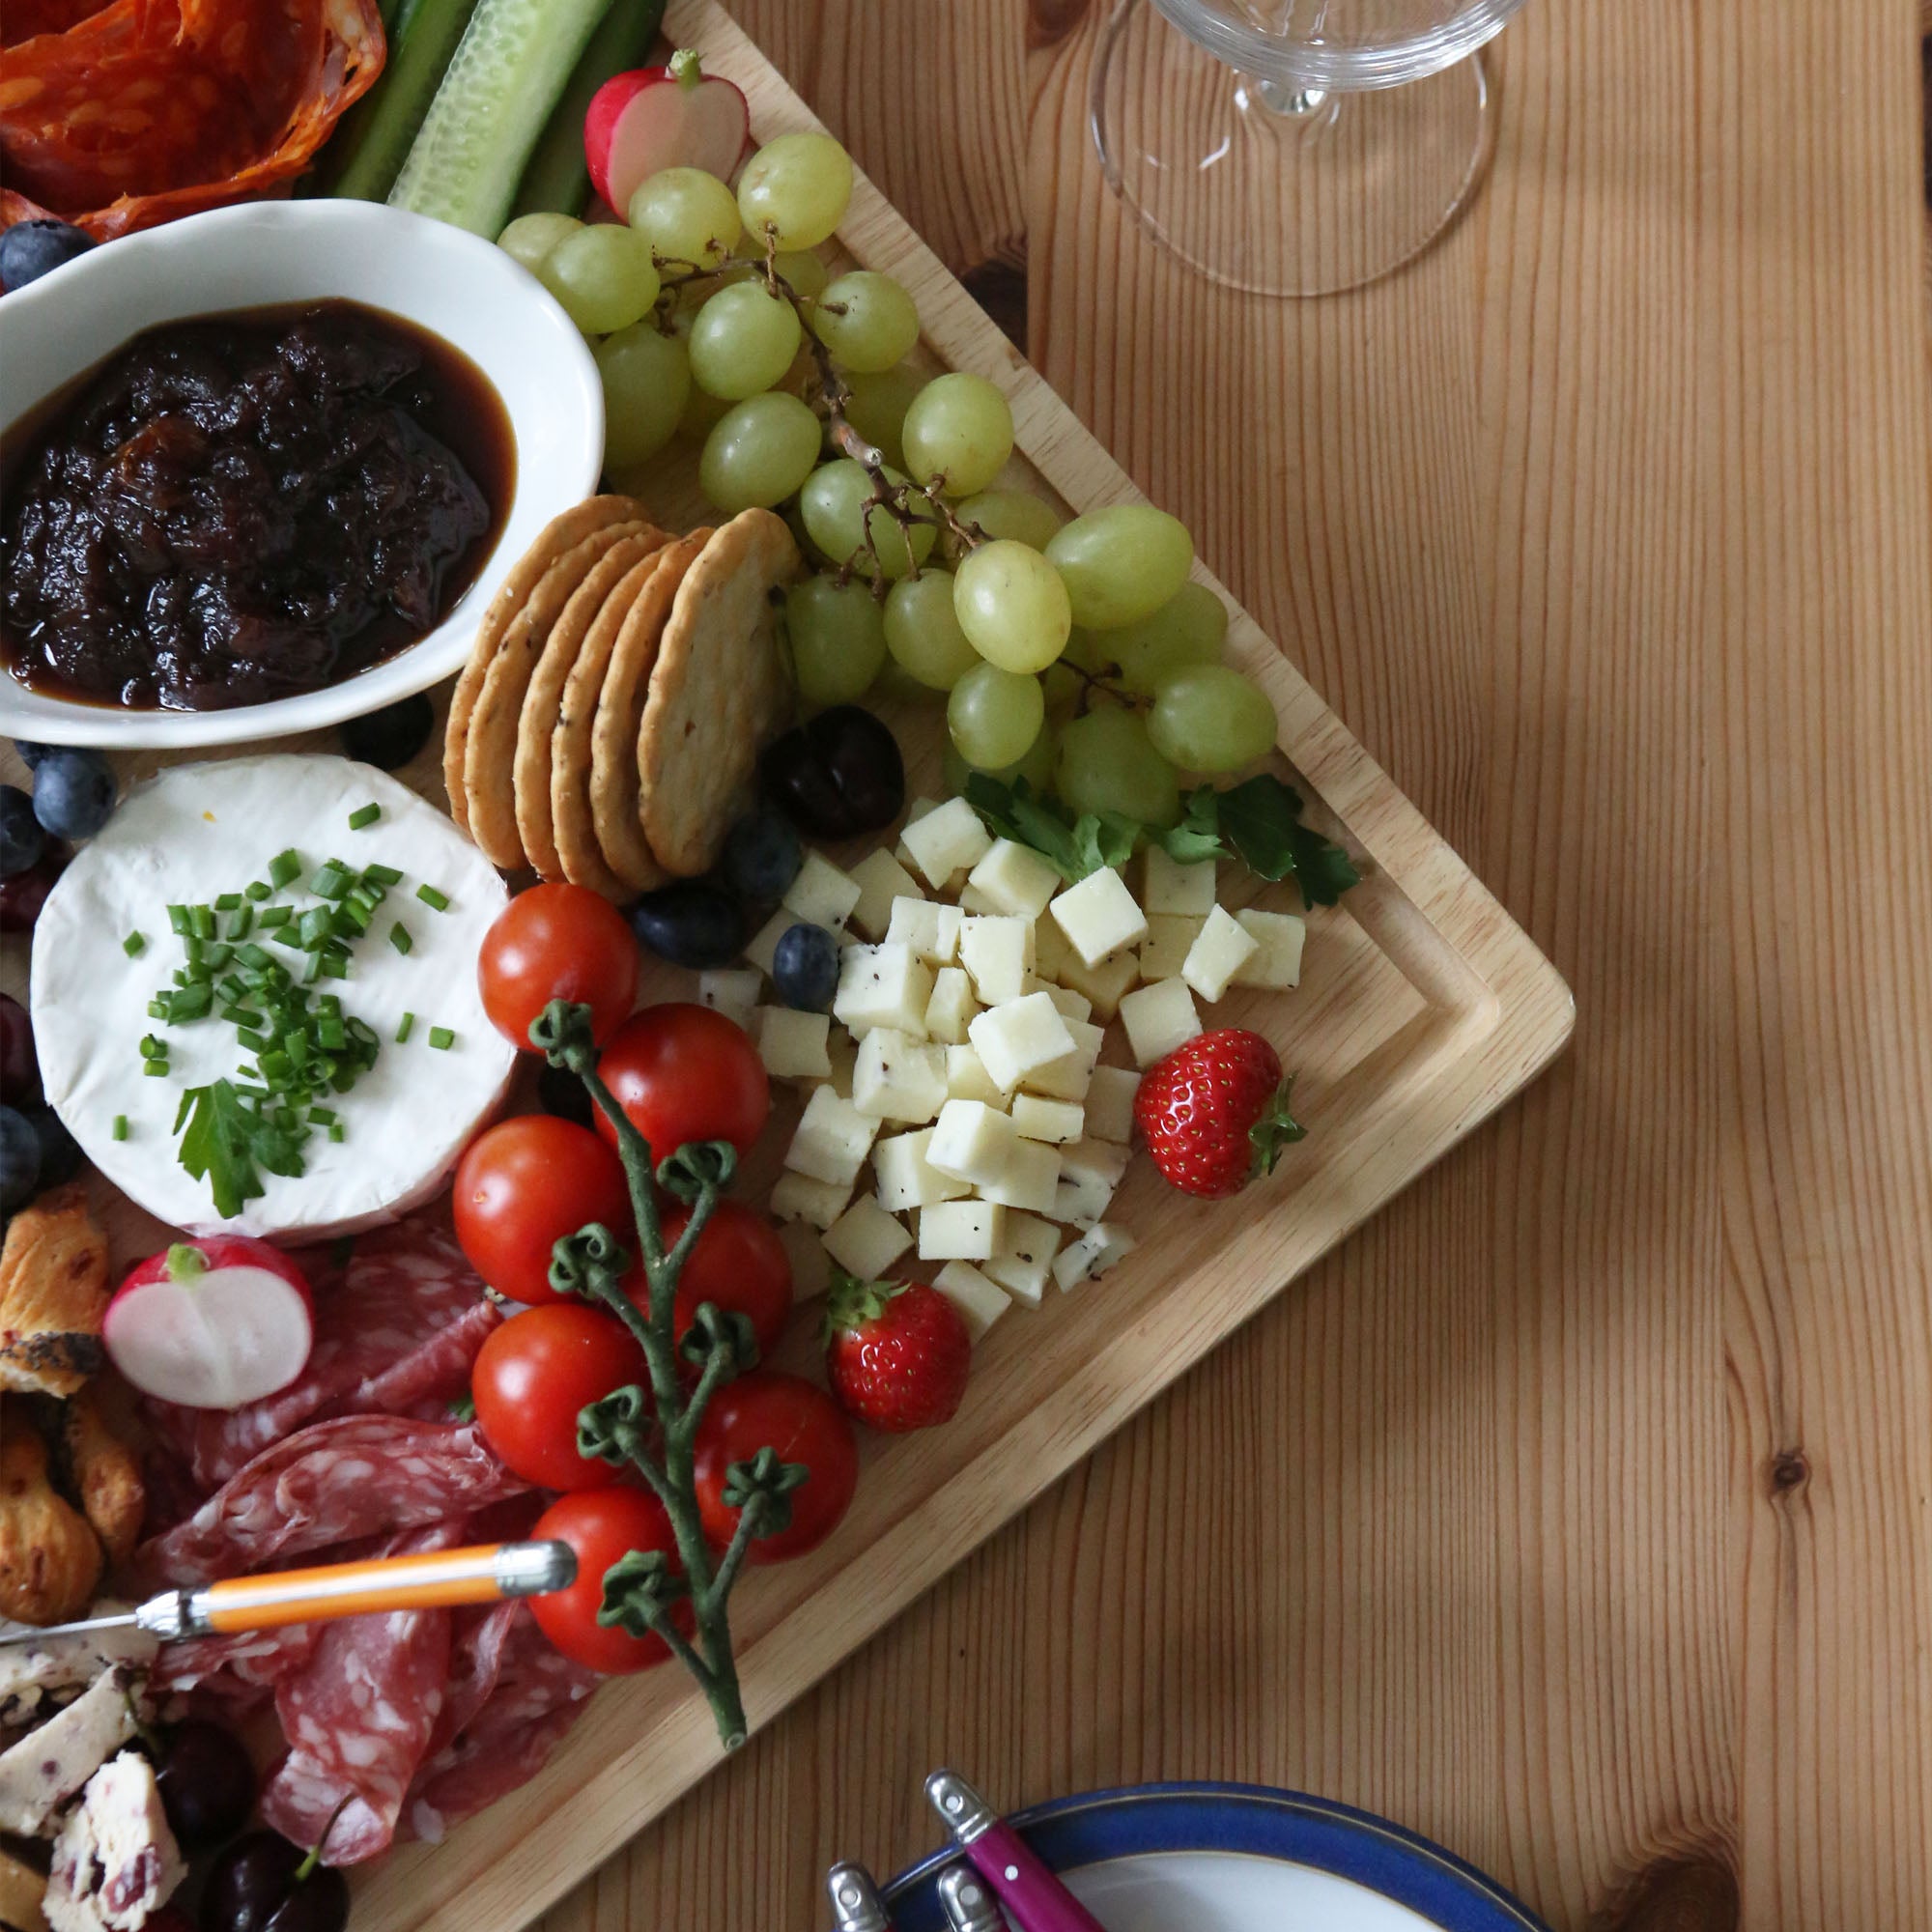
1035	1901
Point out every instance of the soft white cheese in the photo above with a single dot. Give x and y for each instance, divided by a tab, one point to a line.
115	1862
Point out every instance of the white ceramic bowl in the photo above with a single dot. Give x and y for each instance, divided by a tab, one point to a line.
462	288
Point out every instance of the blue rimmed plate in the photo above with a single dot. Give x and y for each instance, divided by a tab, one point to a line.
1238	1857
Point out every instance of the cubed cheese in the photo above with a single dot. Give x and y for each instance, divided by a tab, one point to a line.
822	894
1168	887
1069	1003
972	899
1104	984
1030	1178
960	1230
905	1178
842	1050
947	839
1093	1254
1050	950
1223	949
810	1264
997	951
1110	1104
1169	937
1014	879
866	1240
882	987
1159	1018
1099	915
881	879
1039	1120
832	1140
971	1142
899	1078
1025	1256
967	1078
793	1044
1015	1039
1276	960
919	808
930	929
1089	1171
734	993
1068	1077
952	1008
979	1302
797	1197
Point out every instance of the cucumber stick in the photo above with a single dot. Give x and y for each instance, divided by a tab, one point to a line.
363	161
515	60
557	181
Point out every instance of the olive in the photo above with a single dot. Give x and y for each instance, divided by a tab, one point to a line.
264	1883
691	923
392	736
207	1782
837	773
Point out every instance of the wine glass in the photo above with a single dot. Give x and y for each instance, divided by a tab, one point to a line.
1297	147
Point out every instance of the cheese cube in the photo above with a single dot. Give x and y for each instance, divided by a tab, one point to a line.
967	1078
881	879
866	1240
1038	1119
1068	1078
842	1050
1223	949
1169	938
1014	878
732	993
763	946
797	1197
1051	951
1031	1178
919	808
822	894
793	1044
1093	1254
1099	915
1104	984
1089	1171
952	1006
832	1140
810	1264
1015	1039
960	1230
947	840
971	1142
979	1301
997	951
906	1178
1110	1104
882	987
931	931
1068	1003
899	1078
972	899
1167	887
1159	1018
1025	1256
1276	960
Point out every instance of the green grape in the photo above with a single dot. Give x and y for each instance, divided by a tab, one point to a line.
994	716
1014	514
603	276
839	512
759	453
878	405
1036	766
1208	718
1121	563
795	188
742	341
1188	629
923	630
646	379
961	427
866	321
805	271
531	237
687	215
837	639
1106	763
1012	604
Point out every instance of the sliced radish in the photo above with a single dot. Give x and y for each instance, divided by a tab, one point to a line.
211	1324
654	118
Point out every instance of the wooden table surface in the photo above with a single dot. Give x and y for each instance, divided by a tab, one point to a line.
1578	1512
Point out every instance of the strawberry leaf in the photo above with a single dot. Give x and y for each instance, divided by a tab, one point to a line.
1275	1129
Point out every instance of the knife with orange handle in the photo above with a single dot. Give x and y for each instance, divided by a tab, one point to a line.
484	1574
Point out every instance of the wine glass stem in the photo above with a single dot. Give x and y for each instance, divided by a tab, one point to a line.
1314	107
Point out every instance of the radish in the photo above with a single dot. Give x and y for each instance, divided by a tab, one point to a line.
211	1324
653	118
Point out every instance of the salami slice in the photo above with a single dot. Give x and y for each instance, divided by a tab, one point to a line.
232	1674
24	19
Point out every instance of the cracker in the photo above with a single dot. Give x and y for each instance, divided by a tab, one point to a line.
561	533
542	701
717	689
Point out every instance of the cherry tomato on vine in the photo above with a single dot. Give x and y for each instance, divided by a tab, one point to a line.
682	1072
739	1264
557	943
524	1184
768	1408
532	1376
603	1525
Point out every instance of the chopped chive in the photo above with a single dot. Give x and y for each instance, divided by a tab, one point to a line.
179	920
254	1039
215	957
201	921
323	1117
241	920
335	1130
154	1069
257	889
152	1048
331	881
241	1016
333	965
442	1039
332	1035
317	923
311	968
251	954
120	1126
157	1007
405	1027
436	901
382	875
134	945
363	1031
191	1003
399	937
276	1069
364	815
272	917
283	867
232	990
228	901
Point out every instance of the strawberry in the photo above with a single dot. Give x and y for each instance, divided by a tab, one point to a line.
1214	1112
897	1351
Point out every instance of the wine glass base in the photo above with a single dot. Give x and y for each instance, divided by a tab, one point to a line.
1274	192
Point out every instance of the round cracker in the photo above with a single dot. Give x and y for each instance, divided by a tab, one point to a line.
543	700
717	689
561	533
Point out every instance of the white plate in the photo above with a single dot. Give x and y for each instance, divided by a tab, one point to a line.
452	283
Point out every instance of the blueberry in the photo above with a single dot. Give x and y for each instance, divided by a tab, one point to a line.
805	967
30	753
762	856
74	793
392	736
694	922
31	249
21	838
561	1093
60	1151
19	1159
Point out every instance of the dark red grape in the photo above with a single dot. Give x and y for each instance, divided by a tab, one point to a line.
22	896
254	1886
19	1067
207	1784
837	773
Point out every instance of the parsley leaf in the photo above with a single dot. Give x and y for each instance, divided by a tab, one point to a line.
1261	822
229	1141
1073	846
1198	835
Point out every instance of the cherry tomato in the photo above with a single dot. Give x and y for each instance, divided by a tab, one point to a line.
768	1408
532	1376
557	943
603	1525
683	1073
524	1184
739	1264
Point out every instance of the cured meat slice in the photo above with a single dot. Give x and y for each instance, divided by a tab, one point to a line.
233	1674
24	19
